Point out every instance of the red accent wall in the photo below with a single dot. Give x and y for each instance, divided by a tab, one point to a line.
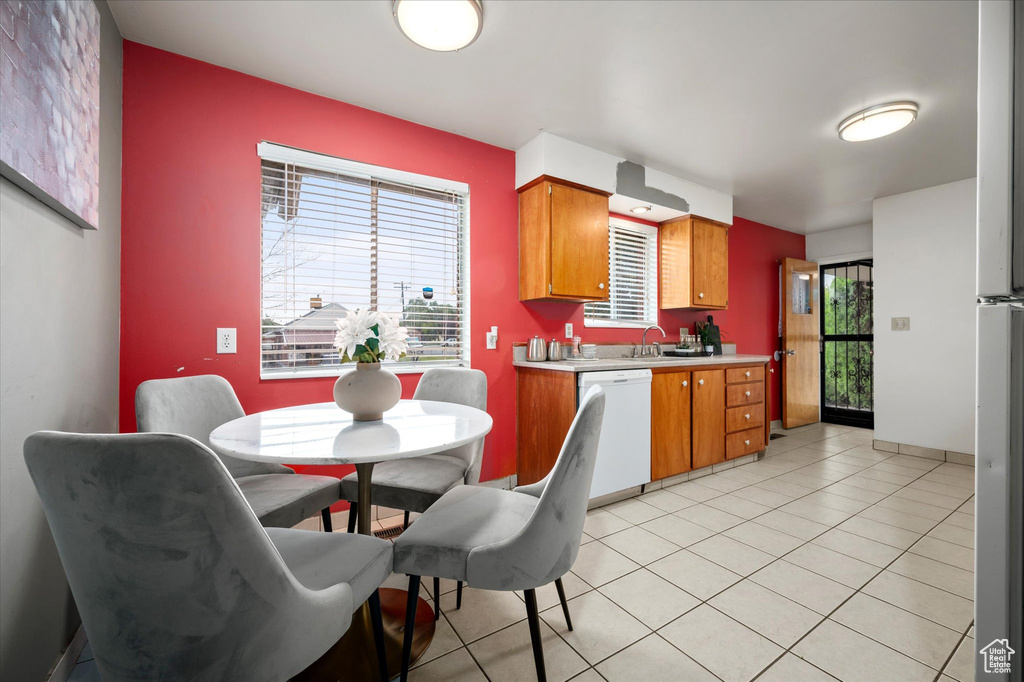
190	235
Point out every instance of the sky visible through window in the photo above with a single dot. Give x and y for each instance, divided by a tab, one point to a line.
326	250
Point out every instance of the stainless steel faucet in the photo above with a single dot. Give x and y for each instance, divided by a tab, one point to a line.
655	348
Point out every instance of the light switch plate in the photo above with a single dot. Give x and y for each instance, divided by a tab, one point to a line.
901	324
226	340
492	338
568	330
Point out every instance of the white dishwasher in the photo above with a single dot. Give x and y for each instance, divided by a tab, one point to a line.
624	452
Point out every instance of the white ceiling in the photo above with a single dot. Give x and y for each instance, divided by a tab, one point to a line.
741	96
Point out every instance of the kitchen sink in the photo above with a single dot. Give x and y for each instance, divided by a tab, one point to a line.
656	358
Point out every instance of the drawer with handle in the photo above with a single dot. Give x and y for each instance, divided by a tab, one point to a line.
744	394
744	417
739	375
744	443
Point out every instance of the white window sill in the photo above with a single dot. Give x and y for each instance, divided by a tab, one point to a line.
335	371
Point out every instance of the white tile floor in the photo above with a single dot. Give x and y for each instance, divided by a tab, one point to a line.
826	559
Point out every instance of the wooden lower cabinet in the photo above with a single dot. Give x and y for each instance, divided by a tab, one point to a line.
746	414
743	443
545	407
700	416
670	424
708	417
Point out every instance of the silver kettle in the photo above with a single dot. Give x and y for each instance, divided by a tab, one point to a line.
536	351
554	350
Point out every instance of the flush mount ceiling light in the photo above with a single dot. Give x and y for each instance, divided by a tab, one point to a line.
439	25
878	121
640	209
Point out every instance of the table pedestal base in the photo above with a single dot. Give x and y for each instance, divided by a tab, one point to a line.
354	656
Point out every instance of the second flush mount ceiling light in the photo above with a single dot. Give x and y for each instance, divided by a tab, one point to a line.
878	121
439	25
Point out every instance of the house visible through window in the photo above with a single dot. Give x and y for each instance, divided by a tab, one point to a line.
339	235
633	287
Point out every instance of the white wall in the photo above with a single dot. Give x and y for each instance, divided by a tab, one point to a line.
548	154
924	269
844	244
59	326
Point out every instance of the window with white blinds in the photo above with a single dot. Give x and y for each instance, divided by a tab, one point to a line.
633	289
339	235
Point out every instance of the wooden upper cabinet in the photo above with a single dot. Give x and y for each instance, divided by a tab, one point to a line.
694	263
563	242
670	424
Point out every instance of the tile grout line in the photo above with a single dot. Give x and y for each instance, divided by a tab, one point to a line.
662	513
924	472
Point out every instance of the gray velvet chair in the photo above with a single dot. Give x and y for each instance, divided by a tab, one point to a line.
509	540
195	406
172	573
413	485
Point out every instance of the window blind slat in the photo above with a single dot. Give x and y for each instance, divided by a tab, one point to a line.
333	242
633	286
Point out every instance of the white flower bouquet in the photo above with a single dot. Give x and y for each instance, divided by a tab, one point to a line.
370	336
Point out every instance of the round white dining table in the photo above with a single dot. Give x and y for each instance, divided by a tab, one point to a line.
324	434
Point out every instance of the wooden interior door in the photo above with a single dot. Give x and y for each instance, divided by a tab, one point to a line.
579	243
670	424
710	287
708	405
800	338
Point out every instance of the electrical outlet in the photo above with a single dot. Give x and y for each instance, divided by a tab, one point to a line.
226	340
568	330
901	324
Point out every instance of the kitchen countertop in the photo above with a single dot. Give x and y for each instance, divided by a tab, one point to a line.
606	364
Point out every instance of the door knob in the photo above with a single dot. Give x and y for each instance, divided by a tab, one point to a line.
748	394
700	382
601	285
746	416
748	374
684	383
700	295
746	442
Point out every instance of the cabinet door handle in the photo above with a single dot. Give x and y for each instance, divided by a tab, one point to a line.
600	285
746	442
748	373
700	382
700	295
684	383
748	394
746	416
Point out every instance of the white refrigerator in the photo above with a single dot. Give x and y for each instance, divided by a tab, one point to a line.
999	426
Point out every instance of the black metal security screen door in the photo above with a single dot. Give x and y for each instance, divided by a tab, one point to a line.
847	344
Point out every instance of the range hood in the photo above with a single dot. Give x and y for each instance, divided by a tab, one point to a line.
630	184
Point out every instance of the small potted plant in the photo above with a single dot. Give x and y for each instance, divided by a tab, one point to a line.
367	337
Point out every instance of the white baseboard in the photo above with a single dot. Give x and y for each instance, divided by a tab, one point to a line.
925	453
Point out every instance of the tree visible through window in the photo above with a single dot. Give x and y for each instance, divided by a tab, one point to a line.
338	236
847	371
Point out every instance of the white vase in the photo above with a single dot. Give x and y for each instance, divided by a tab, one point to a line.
710	350
367	391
